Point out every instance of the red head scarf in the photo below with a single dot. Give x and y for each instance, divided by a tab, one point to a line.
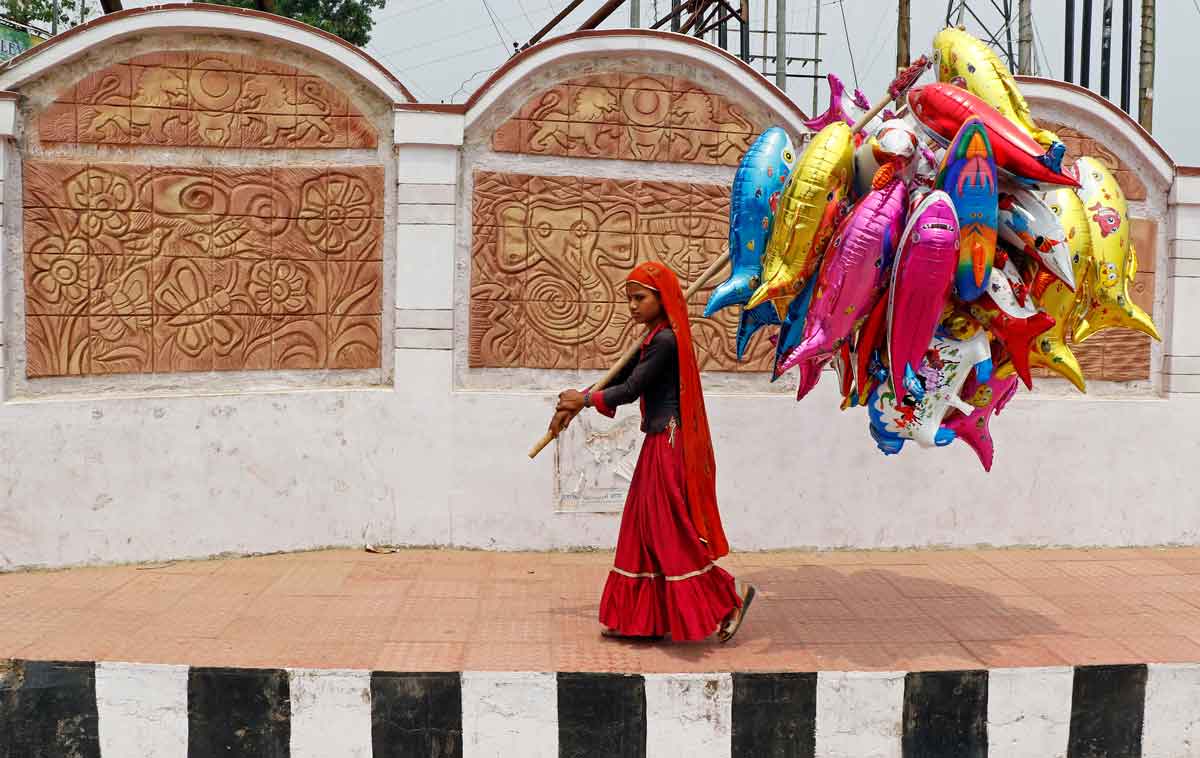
699	464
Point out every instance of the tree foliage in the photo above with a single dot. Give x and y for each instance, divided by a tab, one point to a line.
348	19
40	13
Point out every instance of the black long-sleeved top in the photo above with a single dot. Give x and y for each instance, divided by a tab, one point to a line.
653	377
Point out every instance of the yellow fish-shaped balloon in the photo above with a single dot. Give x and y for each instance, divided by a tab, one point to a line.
821	177
960	55
1115	261
1050	349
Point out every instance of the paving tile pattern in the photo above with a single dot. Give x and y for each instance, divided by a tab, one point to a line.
460	610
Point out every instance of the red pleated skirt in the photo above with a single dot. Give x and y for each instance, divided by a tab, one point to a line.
663	581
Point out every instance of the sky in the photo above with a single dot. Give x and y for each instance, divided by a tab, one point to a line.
443	49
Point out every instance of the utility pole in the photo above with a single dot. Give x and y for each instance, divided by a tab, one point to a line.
766	16
744	31
1146	61
781	60
1105	46
1085	44
902	36
1126	52
816	54
1069	52
635	13
1025	37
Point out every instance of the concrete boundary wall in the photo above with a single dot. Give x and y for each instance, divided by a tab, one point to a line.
426	450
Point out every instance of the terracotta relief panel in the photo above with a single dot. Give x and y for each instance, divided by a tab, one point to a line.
629	117
205	99
549	259
138	269
1079	144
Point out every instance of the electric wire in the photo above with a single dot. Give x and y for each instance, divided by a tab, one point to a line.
488	9
466	81
525	13
444	58
849	47
875	44
460	33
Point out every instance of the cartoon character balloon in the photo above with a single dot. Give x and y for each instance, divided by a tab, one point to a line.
988	398
1115	259
945	370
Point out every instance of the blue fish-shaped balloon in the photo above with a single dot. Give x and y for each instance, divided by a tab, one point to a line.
792	331
968	175
757	186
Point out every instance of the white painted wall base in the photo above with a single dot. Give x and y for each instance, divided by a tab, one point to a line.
115	480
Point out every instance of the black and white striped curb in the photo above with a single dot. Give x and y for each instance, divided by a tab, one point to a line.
122	710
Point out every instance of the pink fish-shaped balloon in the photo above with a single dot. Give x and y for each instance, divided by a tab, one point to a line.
854	272
922	278
988	399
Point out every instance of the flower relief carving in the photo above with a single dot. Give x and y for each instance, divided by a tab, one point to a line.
138	269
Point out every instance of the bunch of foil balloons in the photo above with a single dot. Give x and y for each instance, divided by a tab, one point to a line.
932	258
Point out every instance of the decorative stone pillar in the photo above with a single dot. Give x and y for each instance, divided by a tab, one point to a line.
8	128
1182	370
428	141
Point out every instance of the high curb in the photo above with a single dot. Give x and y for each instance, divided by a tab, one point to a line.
131	710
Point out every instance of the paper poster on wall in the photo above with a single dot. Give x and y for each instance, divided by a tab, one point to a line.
594	463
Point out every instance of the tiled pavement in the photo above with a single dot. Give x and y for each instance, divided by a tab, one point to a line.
434	610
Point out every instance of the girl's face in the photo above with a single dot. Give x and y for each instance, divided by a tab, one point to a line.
644	305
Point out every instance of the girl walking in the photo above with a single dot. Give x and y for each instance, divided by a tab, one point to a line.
664	579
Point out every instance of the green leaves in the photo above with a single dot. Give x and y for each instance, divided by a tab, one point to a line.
348	19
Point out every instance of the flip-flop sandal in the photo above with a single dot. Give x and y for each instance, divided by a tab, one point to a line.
613	634
731	627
